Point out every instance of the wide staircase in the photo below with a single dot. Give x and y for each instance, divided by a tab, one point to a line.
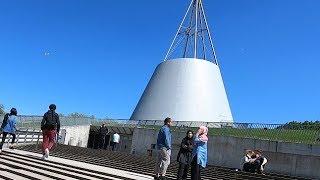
22	165
15	165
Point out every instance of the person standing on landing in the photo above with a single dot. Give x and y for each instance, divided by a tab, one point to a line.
102	133
9	127
164	150
200	153
115	142
185	156
50	127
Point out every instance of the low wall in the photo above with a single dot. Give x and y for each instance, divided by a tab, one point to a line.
287	158
75	135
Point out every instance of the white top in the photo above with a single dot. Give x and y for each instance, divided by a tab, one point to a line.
244	160
116	138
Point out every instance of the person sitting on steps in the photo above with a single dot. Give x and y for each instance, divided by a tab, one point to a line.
247	161
260	161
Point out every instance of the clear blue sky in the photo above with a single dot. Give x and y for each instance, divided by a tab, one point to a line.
102	54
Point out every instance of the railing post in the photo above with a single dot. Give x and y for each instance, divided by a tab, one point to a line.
9	138
18	135
32	135
25	138
39	133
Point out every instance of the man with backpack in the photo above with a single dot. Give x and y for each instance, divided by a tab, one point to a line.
50	127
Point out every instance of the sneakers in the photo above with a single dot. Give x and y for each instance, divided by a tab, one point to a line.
163	178
160	178
11	146
46	153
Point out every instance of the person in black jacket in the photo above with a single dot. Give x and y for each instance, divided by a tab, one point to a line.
50	127
185	156
102	133
260	161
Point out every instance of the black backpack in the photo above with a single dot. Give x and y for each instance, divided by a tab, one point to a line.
5	120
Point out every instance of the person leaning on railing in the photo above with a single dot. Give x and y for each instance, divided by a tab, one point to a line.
50	127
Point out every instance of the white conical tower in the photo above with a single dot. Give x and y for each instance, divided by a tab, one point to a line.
188	85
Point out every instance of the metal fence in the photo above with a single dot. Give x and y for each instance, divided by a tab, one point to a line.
35	121
309	134
25	136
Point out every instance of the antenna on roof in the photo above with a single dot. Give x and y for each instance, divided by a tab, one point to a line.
193	39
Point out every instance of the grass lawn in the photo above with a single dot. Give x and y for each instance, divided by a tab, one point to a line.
285	135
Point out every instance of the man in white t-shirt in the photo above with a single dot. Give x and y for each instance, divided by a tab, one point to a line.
115	141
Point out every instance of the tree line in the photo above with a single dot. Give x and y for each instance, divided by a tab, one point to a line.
307	125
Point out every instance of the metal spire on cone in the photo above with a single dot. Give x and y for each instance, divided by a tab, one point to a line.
193	39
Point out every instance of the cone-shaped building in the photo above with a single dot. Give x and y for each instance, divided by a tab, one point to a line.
188	85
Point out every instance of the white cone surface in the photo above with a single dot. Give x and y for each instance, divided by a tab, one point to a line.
185	89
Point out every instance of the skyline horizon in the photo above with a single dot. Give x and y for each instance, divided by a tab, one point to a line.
93	58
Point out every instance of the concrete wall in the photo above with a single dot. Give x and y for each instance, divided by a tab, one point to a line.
75	135
287	158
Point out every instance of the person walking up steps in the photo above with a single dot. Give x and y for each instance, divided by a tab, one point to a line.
9	127
50	127
164	150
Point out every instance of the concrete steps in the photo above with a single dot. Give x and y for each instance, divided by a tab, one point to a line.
145	165
17	164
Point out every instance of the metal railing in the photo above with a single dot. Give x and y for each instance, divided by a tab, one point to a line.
308	134
35	121
25	136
